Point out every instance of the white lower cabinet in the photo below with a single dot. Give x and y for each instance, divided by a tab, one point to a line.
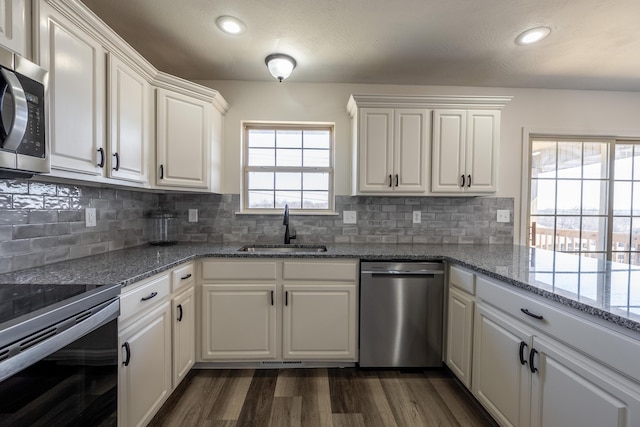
460	334
239	322
156	335
525	377
279	310
144	381
318	322
184	334
501	383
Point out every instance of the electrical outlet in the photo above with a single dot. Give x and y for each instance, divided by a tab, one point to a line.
193	215
90	217
349	217
417	217
503	215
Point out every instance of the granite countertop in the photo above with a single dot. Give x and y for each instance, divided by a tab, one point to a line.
607	290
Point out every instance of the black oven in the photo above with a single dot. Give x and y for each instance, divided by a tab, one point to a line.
59	361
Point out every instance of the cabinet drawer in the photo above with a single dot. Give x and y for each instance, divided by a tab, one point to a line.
182	277
566	324
239	270
462	279
345	271
144	296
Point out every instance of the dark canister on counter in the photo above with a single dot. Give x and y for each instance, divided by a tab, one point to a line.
161	227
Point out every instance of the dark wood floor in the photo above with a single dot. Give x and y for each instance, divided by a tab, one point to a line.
320	397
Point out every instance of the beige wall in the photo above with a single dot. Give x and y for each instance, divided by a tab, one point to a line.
561	111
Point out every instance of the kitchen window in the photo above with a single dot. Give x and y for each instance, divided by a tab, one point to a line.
584	197
288	164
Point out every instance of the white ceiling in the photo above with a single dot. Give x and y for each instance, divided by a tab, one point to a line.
594	44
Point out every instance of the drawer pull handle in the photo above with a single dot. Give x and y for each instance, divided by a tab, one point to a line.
286	298
117	156
180	312
396	180
528	313
462	185
532	353
523	345
469	183
390	180
186	277
148	297
272	298
127	351
101	162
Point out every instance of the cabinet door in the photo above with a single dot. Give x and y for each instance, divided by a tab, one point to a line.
483	136
410	155
449	139
460	334
319	322
375	146
128	122
77	73
239	322
571	390
14	26
500	382
184	334
183	139
144	380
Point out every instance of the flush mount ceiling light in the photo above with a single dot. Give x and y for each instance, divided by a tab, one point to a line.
280	65
533	35
231	25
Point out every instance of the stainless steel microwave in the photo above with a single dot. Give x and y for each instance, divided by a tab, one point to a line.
24	141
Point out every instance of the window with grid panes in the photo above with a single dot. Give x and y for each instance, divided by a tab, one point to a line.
288	164
585	197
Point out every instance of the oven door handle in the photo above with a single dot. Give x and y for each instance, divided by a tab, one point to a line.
20	112
24	359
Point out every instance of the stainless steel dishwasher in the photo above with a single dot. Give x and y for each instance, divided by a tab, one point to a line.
401	306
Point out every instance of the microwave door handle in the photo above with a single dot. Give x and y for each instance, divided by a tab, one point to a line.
21	112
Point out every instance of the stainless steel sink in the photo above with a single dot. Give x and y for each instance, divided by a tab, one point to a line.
284	248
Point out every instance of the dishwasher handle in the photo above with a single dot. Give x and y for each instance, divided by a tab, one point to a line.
402	272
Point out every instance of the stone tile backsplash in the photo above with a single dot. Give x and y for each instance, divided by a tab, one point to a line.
42	223
460	220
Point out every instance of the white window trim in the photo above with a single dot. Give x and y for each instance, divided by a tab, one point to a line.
284	125
527	134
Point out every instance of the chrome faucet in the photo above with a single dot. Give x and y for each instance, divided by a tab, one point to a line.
285	221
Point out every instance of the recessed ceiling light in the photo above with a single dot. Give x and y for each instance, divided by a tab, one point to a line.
231	25
533	35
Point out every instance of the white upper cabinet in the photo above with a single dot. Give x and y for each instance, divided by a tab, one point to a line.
189	120
129	121
104	122
14	26
392	148
395	151
465	151
77	72
183	140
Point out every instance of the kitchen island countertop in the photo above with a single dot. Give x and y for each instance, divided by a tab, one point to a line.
610	291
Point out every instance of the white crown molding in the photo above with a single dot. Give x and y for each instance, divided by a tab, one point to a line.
189	88
427	101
